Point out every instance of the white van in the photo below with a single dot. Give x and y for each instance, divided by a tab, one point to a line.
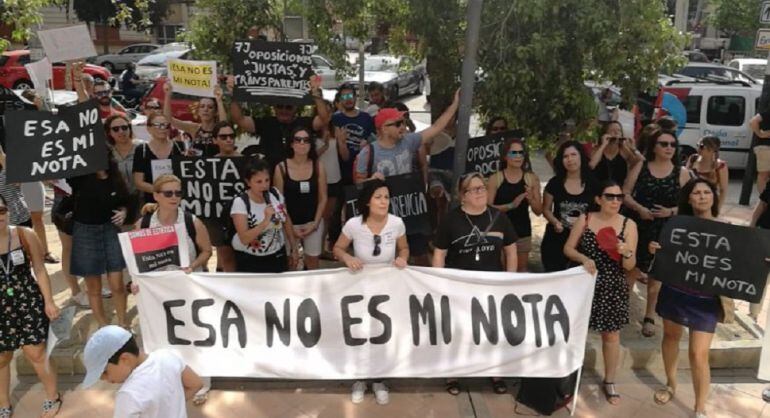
717	109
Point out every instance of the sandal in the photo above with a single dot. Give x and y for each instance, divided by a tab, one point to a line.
453	387
648	327
499	387
664	395
51	259
6	412
51	407
612	396
200	398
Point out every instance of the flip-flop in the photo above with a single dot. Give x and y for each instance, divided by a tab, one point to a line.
664	395
648	327
6	412
52	407
200	398
612	396
453	387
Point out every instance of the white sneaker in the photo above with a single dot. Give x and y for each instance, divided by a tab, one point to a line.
81	299
106	293
357	395
380	393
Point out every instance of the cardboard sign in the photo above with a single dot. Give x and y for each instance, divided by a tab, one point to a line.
10	101
407	201
41	73
209	183
196	78
46	146
155	249
713	257
484	152
272	72
67	44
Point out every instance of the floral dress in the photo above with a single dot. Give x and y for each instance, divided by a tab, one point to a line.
22	312
648	192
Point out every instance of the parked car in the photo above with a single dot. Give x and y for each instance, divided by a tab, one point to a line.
132	53
755	67
13	75
153	66
181	104
716	72
399	75
324	69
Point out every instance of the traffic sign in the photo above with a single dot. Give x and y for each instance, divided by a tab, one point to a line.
764	16
763	39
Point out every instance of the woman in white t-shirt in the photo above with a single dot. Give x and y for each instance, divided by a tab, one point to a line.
263	228
377	237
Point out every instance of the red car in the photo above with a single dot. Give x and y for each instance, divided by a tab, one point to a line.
182	105
13	75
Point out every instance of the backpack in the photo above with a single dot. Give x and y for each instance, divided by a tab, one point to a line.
228	227
189	224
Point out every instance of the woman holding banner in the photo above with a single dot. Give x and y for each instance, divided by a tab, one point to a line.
27	304
302	180
477	237
604	242
209	111
100	201
683	307
378	238
153	158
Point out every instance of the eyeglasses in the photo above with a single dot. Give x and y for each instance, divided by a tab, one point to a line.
301	139
397	124
152	106
3	210
225	137
119	128
514	154
103	93
476	190
612	196
346	96
377	242
161	125
666	144
171	193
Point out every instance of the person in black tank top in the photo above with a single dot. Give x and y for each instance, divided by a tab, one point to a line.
513	190
208	111
615	153
302	181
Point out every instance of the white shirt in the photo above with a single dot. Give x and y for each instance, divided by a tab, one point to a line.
272	239
363	239
154	389
154	222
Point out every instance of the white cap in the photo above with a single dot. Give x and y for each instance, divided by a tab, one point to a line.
100	347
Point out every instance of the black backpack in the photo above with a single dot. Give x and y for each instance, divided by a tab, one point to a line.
228	227
189	224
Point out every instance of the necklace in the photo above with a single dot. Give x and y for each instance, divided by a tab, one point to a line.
482	239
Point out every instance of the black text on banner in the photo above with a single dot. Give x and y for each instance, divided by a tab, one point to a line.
45	146
407	201
272	72
484	152
208	183
713	257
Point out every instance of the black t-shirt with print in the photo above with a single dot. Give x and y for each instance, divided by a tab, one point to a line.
469	245
567	208
764	219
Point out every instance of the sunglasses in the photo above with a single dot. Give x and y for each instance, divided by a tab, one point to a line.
153	106
301	139
3	210
666	144
102	93
514	154
284	107
377	242
476	190
225	137
612	196
397	124
171	193
119	128
161	125
346	96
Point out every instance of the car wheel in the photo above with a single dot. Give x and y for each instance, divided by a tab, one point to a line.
420	85
23	85
109	66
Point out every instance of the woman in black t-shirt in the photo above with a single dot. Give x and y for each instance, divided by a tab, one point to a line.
614	154
567	197
153	159
302	180
475	236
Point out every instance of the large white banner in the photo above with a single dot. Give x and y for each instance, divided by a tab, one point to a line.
379	322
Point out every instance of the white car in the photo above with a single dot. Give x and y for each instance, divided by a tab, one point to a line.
755	67
153	66
131	53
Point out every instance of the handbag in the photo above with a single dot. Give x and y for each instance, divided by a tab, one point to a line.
62	216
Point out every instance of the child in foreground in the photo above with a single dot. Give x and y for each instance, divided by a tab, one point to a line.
154	385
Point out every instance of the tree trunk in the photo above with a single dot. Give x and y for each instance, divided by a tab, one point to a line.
106	37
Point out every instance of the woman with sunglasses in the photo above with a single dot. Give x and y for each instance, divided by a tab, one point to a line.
120	137
707	165
209	111
475	236
682	307
378	238
263	228
651	190
513	190
302	180
604	242
567	197
99	210
614	155
26	301
152	159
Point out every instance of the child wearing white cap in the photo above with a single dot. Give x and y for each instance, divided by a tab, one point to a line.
154	385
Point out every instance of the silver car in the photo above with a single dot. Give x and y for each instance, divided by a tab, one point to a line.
131	53
398	75
153	66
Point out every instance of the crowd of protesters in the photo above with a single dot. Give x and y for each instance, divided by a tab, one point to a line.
291	215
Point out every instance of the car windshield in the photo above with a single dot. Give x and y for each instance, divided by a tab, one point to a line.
380	64
755	70
159	60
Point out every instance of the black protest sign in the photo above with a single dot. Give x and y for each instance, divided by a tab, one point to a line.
10	101
208	183
46	146
407	201
712	257
272	72
155	248
483	154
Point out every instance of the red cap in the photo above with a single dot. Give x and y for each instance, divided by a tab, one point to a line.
386	115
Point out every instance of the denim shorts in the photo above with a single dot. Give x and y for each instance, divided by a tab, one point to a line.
95	250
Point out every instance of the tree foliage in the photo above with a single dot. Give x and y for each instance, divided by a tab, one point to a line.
736	17
23	15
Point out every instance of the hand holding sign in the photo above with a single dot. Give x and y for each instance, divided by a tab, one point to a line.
272	72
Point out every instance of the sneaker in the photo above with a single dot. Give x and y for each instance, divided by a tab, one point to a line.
357	395
766	394
81	299
106	293
380	393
